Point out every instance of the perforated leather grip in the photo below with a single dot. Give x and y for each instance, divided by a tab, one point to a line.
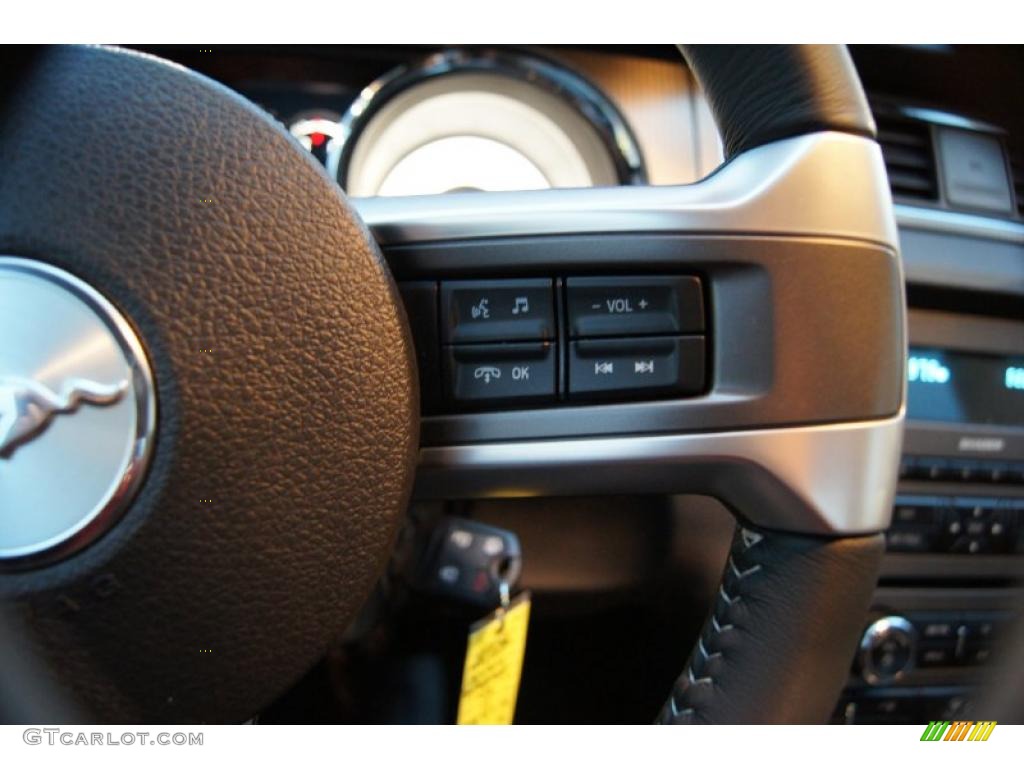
762	93
778	644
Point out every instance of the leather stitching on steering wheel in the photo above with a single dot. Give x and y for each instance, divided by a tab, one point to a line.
683	702
788	607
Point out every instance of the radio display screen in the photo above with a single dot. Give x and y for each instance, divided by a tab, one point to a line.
955	386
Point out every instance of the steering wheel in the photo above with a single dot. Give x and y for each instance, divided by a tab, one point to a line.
270	396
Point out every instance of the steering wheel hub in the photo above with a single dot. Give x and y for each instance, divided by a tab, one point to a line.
65	351
288	418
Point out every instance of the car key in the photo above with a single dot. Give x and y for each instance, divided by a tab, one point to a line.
470	562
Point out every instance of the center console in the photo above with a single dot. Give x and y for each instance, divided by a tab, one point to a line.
948	589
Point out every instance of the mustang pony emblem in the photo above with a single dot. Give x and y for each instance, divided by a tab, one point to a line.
27	406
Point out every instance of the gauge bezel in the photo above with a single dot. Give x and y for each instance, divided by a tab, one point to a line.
585	98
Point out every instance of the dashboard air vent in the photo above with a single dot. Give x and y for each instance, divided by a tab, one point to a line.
909	156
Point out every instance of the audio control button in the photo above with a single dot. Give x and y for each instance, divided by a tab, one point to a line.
497	310
915	539
916	513
634	306
641	367
887	650
936	656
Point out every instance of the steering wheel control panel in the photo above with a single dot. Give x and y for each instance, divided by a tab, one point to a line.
502	344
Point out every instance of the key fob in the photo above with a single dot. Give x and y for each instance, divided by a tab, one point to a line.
467	561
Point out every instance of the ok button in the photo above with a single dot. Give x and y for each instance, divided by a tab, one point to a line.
518	374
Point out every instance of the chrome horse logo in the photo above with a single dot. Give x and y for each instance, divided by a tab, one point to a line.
26	406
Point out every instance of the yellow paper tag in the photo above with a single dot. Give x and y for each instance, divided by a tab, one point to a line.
494	664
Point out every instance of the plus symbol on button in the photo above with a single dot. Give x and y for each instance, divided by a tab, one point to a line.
643	303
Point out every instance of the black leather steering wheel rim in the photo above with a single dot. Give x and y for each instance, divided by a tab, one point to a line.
787	617
786	622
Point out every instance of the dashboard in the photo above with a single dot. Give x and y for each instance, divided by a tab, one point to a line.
482	119
414	120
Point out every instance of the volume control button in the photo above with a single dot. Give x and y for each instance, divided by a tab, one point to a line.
887	650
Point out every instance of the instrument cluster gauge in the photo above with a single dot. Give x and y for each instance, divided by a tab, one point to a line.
462	121
316	130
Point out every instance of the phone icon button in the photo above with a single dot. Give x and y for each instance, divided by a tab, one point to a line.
487	372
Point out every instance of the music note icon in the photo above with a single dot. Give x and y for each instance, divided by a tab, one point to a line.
522	305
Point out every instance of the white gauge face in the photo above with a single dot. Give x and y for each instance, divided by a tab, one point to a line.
472	131
462	163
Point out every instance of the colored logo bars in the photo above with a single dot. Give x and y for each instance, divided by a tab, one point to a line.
960	730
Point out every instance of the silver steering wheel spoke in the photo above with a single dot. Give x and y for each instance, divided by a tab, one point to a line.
774	210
